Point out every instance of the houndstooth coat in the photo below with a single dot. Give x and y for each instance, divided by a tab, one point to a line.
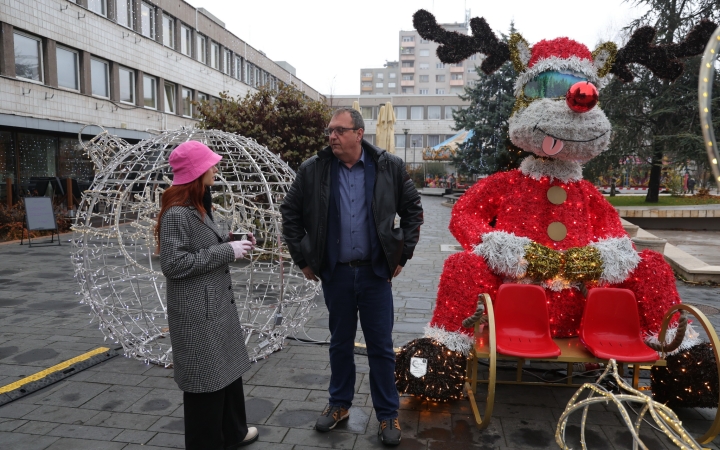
208	343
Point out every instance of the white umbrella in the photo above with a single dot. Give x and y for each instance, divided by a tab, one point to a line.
381	128
390	127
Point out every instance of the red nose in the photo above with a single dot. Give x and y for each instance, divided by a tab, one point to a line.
582	97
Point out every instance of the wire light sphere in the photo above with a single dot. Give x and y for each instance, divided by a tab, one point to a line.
114	247
705	84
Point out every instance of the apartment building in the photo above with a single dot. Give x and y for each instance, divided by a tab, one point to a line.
418	70
130	66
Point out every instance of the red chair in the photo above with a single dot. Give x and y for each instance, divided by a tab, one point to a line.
610	327
522	322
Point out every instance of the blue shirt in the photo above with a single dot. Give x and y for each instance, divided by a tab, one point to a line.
354	231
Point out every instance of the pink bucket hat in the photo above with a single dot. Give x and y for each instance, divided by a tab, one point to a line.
190	160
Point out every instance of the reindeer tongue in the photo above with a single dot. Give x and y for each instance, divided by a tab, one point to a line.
552	146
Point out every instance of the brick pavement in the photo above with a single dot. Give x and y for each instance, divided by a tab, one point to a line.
125	404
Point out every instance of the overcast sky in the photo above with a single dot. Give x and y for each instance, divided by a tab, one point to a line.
328	42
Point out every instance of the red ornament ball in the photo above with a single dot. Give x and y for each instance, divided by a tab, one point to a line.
582	96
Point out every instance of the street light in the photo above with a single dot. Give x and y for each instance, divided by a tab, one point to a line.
405	130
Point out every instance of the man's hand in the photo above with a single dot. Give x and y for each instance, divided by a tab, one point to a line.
309	274
398	269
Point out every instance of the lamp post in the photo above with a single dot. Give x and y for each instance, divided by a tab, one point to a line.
405	130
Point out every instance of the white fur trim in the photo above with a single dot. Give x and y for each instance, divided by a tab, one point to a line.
457	341
584	135
565	171
572	64
692	338
504	253
619	259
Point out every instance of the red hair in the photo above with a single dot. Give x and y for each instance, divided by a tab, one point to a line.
190	194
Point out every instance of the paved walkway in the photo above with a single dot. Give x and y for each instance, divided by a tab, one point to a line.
125	404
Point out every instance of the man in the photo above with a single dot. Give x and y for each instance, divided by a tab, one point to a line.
338	223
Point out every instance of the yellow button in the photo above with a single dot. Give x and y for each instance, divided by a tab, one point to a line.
557	231
556	195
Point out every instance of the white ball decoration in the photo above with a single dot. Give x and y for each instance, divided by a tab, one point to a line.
115	255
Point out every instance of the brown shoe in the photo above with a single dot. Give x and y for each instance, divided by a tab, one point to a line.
330	417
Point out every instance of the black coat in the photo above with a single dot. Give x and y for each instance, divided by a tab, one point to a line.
305	209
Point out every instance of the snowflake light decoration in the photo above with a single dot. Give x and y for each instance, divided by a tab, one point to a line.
114	248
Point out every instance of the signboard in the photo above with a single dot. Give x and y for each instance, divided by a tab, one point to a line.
40	214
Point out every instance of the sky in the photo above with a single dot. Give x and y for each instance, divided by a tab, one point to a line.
328	42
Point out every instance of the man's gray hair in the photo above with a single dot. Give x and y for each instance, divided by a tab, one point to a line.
357	118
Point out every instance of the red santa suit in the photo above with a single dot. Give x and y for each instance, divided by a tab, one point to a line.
500	215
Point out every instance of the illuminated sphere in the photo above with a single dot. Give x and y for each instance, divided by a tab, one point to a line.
582	97
114	245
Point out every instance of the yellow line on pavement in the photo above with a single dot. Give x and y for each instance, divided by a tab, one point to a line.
55	368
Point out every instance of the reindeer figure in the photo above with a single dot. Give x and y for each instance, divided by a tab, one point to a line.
543	223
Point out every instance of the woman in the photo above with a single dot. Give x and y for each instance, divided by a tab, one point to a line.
209	355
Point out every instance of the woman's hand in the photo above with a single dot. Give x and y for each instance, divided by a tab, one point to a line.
241	248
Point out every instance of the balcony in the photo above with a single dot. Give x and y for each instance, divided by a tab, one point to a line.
457	82
366	78
407	70
407	57
407	83
366	88
457	69
404	44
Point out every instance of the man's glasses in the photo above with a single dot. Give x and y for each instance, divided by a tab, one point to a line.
338	130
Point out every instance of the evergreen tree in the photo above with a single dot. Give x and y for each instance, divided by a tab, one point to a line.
492	98
654	119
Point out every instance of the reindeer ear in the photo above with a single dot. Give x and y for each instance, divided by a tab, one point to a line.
519	52
604	58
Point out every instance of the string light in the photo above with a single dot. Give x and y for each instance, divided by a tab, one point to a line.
114	245
690	379
445	376
705	85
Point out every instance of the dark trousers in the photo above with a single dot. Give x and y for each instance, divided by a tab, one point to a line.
350	291
215	420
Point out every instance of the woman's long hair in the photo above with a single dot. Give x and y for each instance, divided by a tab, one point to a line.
190	194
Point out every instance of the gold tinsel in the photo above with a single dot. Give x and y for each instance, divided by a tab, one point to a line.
583	264
518	63
543	263
611	49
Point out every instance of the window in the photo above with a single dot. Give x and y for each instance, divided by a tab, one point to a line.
440	91
201	49
367	112
168	31
474	57
399	141
440	78
424	78
424	66
227	66
28	57
127	85
367	74
456	90
149	92
370	138
185	40
67	68
407	51
424	91
439	65
416	140
124	13
170	98
380	76
366	84
186	102
214	55
424	41
98	6
449	112
238	68
407	77
433	112
147	20
433	140
391	85
456	65
456	76
408	63
424	52
416	112
408	38
400	112
378	85
200	98
99	78
393	75
407	90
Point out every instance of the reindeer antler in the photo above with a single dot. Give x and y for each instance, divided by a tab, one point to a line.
456	47
664	61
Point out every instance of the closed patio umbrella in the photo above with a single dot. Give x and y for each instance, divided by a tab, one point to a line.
390	127
381	128
356	106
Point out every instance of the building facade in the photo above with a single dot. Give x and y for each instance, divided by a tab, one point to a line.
419	71
130	66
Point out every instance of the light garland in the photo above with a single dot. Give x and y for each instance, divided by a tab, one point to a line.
114	244
663	416
705	83
445	371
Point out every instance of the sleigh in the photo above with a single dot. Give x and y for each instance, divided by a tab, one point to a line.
515	327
